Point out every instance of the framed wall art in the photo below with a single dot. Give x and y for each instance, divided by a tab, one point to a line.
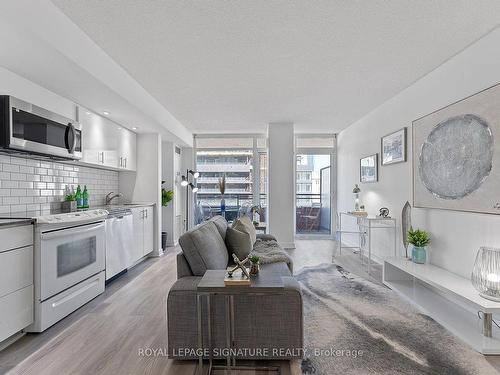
456	158
393	147
368	168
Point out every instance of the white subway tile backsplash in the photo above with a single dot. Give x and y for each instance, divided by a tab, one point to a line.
10	200
30	184
10	168
18	176
10	184
18	192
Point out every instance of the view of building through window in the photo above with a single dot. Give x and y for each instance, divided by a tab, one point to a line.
313	194
245	172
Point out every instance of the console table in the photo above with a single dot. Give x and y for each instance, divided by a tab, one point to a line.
366	224
211	284
449	299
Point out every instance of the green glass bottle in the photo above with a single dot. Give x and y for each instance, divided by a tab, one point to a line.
79	197
85	197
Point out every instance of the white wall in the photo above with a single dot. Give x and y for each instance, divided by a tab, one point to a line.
144	186
171	215
15	85
456	236
281	164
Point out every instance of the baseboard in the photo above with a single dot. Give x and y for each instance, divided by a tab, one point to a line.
156	253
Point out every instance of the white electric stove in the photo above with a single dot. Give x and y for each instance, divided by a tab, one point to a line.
70	250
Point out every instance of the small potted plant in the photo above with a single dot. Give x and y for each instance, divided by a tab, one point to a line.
166	198
419	239
254	265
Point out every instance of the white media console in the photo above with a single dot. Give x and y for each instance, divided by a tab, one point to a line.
449	299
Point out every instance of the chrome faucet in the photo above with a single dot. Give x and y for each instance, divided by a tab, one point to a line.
110	197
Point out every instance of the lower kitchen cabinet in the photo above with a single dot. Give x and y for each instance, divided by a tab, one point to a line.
143	232
16	279
16	311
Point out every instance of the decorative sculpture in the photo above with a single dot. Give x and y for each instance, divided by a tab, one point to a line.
406	225
384	212
239	264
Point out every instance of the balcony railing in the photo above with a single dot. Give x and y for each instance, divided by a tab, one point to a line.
237	204
312	214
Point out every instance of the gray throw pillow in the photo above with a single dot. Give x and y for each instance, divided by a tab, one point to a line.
244	224
238	243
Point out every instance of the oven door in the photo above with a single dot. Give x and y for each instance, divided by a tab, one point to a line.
69	256
37	130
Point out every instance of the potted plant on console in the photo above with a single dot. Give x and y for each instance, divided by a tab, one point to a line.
419	239
166	198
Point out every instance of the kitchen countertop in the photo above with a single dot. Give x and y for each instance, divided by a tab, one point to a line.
14	222
26	217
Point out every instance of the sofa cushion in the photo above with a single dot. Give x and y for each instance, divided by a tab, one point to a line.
204	248
221	224
238	243
243	224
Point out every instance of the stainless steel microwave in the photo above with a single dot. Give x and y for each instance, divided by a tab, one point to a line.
28	128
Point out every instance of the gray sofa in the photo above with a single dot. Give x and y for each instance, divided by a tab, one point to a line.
272	322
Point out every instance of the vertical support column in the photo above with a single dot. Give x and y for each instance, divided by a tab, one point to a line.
282	182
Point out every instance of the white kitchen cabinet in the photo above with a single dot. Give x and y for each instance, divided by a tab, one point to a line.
106	143
16	269
128	150
143	232
148	230
16	279
138	217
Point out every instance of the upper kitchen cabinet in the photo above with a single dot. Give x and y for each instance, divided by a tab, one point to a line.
128	150
106	143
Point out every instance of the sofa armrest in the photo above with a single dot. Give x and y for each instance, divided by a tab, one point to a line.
183	268
266	237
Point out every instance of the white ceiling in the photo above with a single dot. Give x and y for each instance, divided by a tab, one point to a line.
234	66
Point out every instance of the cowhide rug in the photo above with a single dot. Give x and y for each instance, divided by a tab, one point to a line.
354	326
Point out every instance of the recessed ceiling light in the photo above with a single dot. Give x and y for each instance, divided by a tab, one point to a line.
119	128
134	128
88	113
106	113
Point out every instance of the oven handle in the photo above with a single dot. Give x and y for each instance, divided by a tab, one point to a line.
66	232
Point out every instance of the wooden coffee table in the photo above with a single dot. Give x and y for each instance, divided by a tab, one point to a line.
212	283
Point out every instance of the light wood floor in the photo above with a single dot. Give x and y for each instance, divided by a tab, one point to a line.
105	335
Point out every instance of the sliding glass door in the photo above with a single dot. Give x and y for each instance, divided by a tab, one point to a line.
314	185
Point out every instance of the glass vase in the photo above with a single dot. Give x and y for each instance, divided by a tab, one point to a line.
223	207
419	255
486	273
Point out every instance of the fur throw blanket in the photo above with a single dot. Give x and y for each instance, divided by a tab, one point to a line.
271	252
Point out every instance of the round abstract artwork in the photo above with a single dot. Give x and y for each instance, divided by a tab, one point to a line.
456	157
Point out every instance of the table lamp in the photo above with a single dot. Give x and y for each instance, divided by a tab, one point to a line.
486	273
356	192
